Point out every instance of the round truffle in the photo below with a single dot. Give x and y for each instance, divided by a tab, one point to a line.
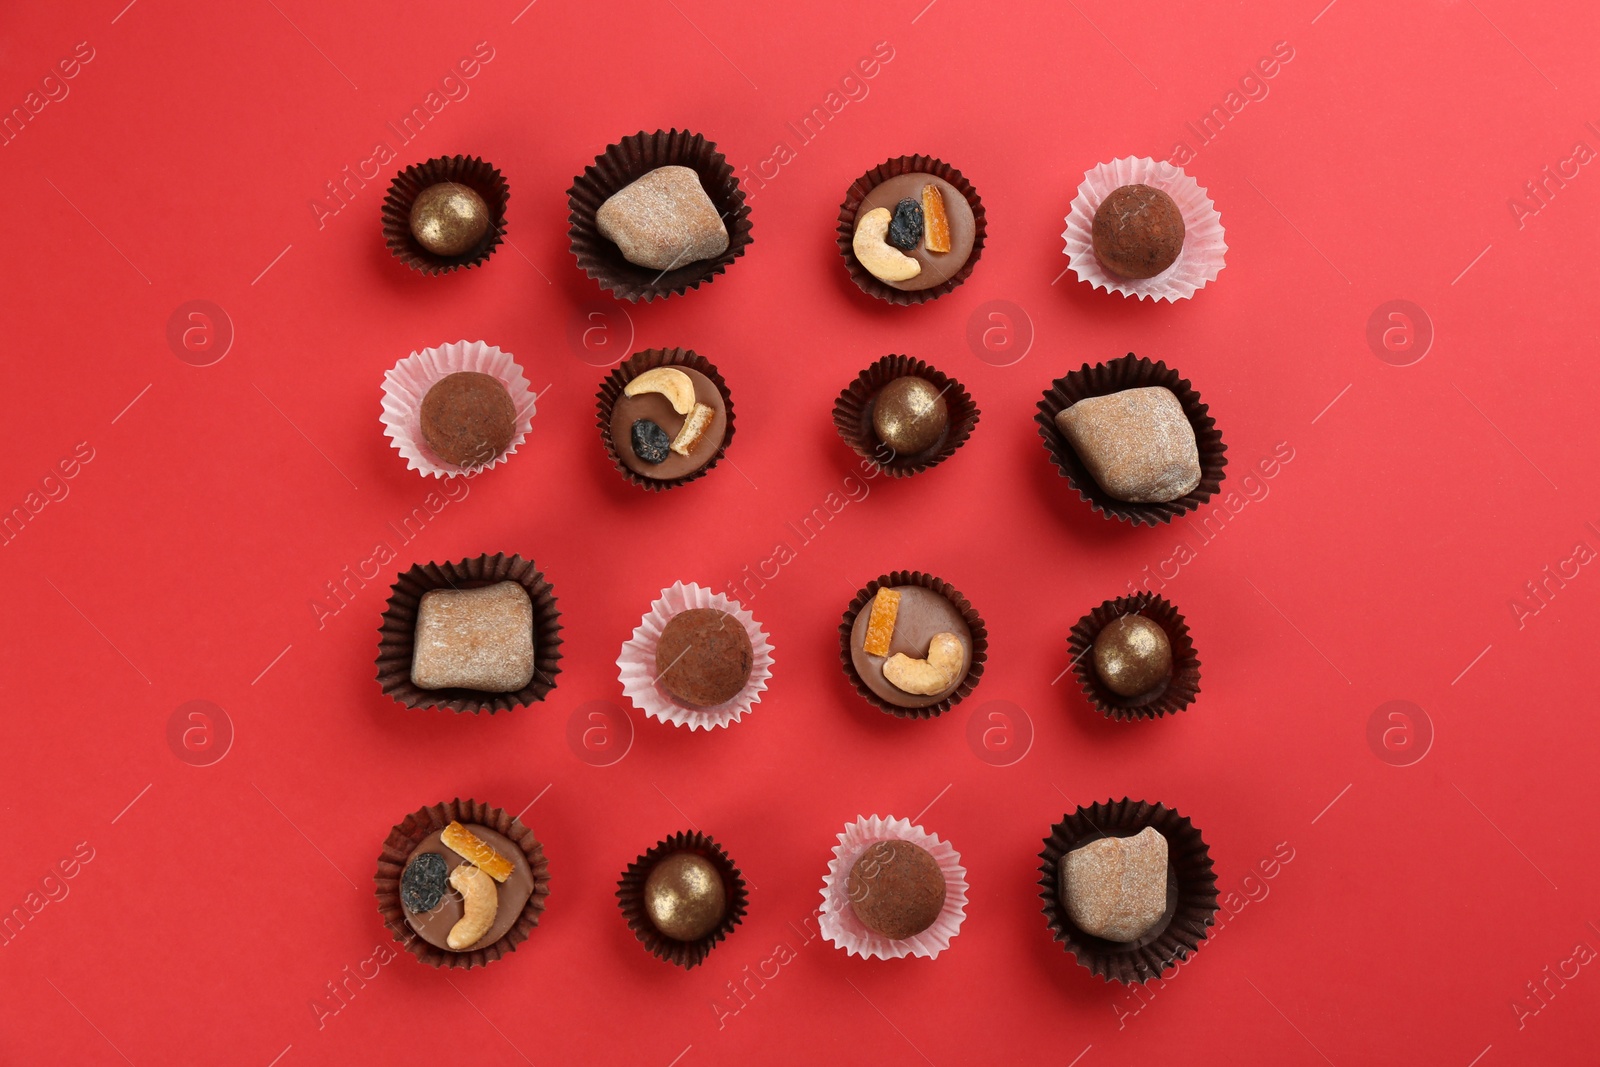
703	657
1132	656
910	415
684	896
449	219
468	418
1138	231
896	889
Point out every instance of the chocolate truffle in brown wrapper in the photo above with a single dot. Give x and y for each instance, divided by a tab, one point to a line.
1169	665
682	897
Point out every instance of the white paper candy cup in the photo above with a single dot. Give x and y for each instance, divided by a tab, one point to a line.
839	923
637	663
407	382
1203	246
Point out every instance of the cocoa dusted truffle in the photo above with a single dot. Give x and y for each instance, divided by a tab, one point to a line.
896	889
468	418
1138	231
704	657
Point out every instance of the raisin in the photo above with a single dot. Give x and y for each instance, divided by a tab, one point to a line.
650	442
422	884
905	229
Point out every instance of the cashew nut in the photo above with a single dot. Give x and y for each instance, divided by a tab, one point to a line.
670	382
884	261
479	901
925	677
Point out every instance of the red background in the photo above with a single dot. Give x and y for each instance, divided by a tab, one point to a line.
1380	565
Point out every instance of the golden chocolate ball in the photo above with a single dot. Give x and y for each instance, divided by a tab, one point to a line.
909	415
449	219
1132	656
684	896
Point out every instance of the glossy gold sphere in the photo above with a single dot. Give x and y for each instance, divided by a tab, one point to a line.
1132	656
909	415
684	896
449	219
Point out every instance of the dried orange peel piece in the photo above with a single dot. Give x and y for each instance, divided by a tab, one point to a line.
935	223
474	850
880	624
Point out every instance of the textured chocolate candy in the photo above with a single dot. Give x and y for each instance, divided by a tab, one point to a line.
905	226
684	896
1116	887
449	219
1137	444
1138	231
663	220
896	889
650	442
423	881
474	639
1132	655
703	657
910	415
468	418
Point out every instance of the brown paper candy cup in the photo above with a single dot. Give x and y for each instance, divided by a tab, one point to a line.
470	171
1174	695
630	897
1191	890
397	634
893	168
627	161
404	838
852	416
1130	372
635	365
974	621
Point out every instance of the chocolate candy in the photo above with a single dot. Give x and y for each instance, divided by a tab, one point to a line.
1132	656
905	226
1138	231
910	415
684	896
703	657
474	639
434	925
1116	887
896	889
1138	444
921	615
650	442
658	407
936	267
468	418
449	219
663	220
423	881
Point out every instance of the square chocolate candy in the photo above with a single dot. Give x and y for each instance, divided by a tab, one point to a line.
474	639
